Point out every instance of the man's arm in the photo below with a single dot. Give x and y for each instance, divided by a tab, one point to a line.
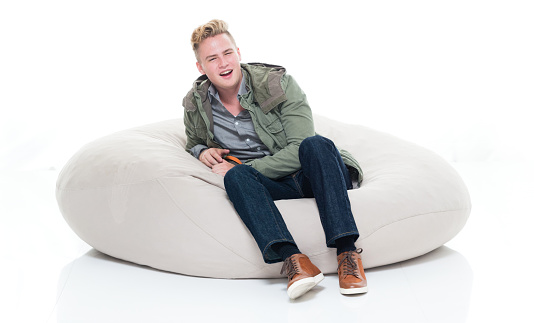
197	146
194	144
297	121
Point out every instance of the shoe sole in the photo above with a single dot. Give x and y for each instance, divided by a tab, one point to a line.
350	291
301	287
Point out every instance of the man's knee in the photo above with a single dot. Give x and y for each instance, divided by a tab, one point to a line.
315	144
237	174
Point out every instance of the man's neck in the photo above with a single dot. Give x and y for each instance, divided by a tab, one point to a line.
230	95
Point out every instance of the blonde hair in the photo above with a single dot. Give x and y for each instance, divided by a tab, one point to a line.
213	28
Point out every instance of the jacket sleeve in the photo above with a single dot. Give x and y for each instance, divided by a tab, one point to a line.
297	122
193	139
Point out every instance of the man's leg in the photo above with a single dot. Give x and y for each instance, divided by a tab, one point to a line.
253	196
326	177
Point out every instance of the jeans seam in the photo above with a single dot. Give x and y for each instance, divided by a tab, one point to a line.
271	209
332	149
293	176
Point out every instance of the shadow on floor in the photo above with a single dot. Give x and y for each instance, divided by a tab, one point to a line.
435	287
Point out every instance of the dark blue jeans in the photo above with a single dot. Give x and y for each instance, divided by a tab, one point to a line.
323	175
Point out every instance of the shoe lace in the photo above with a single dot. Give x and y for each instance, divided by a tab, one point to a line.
351	267
290	267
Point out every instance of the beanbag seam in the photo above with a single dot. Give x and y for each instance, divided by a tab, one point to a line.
201	228
410	217
72	188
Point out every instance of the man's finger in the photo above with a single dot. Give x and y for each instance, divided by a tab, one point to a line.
213	156
205	158
209	159
218	157
221	153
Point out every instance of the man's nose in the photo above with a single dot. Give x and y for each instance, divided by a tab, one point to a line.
223	62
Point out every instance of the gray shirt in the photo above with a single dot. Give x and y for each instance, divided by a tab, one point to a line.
235	133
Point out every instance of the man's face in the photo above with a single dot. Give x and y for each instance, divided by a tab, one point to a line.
219	60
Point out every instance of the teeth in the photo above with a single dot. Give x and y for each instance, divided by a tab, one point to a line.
227	72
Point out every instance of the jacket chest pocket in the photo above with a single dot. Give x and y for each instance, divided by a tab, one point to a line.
275	126
276	132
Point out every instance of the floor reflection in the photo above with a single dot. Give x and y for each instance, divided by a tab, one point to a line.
435	287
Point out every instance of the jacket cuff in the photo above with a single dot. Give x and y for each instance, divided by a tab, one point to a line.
197	150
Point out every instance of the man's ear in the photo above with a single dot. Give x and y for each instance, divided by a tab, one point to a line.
200	69
239	54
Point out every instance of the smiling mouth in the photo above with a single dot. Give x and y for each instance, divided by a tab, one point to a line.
226	73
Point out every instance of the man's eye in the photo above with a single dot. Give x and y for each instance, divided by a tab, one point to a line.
211	59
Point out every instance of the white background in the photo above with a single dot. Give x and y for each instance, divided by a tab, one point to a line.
453	76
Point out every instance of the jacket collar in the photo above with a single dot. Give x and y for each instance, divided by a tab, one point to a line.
263	79
200	86
214	94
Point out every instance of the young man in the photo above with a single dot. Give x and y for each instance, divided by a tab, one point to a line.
251	123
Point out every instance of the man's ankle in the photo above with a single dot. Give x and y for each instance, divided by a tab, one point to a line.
285	249
345	244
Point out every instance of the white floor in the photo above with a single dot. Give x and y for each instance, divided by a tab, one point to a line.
47	274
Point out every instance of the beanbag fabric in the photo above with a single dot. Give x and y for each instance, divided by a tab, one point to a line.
139	196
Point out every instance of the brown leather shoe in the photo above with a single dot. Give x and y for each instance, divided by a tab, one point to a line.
350	271
302	275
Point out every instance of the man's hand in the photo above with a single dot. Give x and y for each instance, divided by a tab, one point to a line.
222	168
213	156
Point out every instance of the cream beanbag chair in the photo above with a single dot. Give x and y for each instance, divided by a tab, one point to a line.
139	196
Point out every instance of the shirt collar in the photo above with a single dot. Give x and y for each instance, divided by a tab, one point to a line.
215	94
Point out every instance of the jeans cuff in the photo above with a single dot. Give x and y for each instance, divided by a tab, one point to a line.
332	242
271	257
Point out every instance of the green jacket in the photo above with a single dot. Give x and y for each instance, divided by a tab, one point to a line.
280	113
